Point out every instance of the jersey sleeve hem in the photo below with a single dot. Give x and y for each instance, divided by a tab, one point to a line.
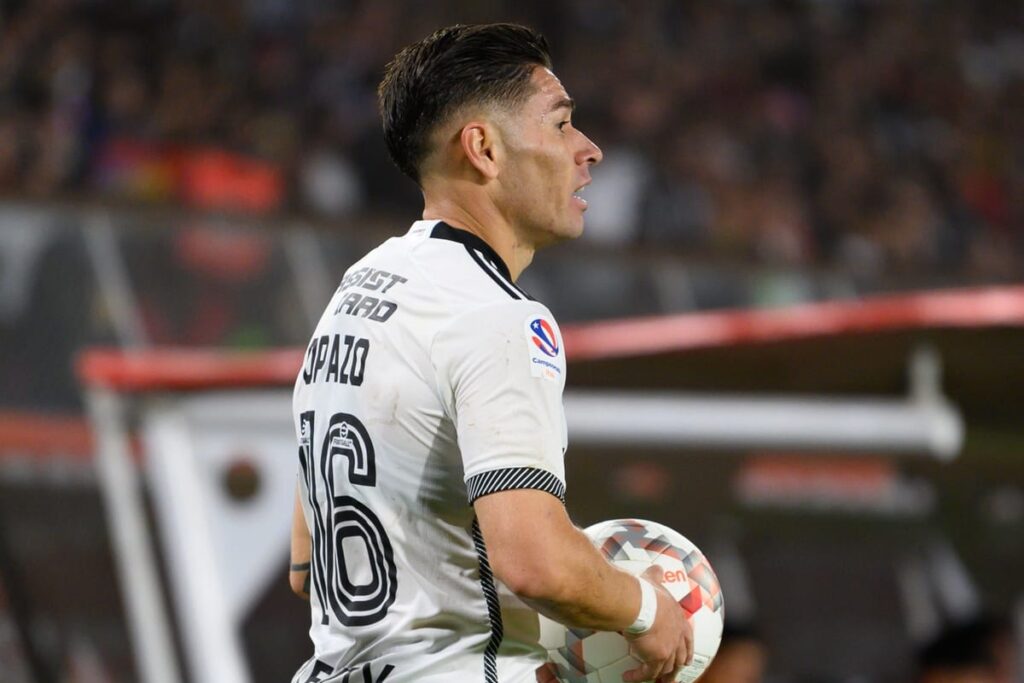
514	478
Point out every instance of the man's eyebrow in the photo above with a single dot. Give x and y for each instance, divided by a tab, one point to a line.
566	103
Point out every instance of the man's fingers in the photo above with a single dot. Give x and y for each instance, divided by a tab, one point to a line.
655	574
663	670
682	659
648	671
668	674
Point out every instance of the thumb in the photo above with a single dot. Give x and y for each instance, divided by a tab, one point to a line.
655	574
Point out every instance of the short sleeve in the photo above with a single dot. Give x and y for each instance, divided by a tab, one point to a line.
501	371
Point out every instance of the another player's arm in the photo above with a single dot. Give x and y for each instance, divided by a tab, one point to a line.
302	551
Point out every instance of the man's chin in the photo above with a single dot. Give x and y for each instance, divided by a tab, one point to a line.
576	230
573	226
567	233
557	233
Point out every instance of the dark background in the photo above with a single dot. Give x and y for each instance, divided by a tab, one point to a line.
200	174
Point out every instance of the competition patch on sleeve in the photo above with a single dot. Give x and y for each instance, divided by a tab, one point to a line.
545	351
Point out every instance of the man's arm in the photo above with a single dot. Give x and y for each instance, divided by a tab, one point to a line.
302	550
503	385
536	551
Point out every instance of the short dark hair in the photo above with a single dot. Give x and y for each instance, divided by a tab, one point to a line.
428	81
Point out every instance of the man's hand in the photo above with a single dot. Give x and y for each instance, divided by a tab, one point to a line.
668	646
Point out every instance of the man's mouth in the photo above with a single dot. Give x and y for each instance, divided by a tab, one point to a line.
577	196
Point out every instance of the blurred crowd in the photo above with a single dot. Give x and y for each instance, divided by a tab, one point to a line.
879	136
979	650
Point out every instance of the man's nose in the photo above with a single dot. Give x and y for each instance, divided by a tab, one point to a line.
591	153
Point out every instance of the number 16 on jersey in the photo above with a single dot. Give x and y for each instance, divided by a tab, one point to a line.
353	564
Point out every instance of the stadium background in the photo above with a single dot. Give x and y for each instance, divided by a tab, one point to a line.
199	174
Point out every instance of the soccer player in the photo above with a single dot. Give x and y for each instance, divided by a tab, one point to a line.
430	503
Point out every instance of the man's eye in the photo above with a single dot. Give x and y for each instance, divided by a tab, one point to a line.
562	125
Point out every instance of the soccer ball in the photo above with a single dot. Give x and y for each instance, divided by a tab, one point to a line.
583	656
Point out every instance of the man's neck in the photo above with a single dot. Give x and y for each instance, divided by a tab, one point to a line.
489	225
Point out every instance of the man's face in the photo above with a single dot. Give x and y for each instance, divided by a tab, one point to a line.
547	162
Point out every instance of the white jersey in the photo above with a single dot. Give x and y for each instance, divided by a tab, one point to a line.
431	380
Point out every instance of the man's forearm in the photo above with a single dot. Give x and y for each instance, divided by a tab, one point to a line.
537	552
590	592
298	578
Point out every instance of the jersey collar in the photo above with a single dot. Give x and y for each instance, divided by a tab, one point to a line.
446	232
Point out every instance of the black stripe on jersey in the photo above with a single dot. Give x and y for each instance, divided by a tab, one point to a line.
507	285
493	607
511	478
484	255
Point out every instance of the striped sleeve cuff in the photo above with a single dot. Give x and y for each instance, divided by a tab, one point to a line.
512	478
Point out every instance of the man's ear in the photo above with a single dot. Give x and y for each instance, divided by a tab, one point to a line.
481	145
